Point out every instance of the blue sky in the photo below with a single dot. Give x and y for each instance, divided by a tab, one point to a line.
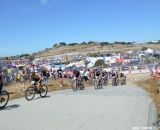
28	26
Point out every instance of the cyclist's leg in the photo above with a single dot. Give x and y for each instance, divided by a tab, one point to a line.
61	81
1	88
38	85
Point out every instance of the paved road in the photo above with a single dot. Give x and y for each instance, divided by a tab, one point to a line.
118	108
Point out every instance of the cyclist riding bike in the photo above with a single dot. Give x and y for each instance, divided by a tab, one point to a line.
122	77
98	82
105	77
77	82
36	79
76	74
114	75
114	78
98	74
117	77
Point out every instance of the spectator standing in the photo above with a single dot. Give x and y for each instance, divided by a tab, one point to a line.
46	75
4	75
1	81
86	75
22	78
60	75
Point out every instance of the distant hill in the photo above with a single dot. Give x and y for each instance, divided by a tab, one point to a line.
65	49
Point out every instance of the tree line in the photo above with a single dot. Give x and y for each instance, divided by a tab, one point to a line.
92	42
156	42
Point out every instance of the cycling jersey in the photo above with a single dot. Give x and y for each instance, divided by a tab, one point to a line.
98	73
76	73
113	74
35	78
103	74
59	72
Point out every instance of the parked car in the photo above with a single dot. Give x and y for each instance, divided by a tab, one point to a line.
141	67
124	68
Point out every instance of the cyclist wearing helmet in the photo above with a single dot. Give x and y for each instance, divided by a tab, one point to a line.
121	75
76	74
114	78
97	74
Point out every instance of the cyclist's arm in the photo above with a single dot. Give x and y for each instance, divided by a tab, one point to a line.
40	78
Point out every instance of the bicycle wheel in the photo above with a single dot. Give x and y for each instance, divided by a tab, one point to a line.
104	82
114	82
95	84
4	97
43	90
74	85
107	81
30	93
81	85
124	82
99	86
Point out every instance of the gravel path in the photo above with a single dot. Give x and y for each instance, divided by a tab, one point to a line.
111	108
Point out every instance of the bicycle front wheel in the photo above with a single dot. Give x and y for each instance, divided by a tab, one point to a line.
74	85
4	97
82	86
95	84
30	93
43	91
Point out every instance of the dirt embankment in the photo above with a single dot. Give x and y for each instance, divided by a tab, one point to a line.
91	48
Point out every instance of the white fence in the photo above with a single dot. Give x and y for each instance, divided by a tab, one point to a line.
135	72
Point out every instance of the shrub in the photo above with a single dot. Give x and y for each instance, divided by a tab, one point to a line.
99	63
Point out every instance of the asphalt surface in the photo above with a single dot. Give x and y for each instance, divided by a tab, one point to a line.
111	108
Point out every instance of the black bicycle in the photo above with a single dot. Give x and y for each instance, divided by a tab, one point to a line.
104	81
98	83
33	90
78	84
123	81
115	81
4	98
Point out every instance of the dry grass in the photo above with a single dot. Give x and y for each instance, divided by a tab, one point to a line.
15	88
134	78
90	48
152	87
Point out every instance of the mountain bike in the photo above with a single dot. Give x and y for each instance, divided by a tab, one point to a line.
105	81
115	81
98	83
77	84
4	98
123	81
33	90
